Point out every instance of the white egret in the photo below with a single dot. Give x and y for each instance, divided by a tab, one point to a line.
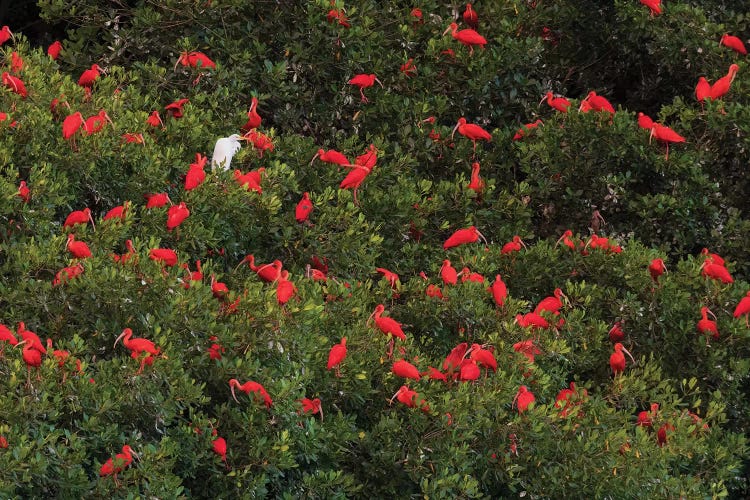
225	149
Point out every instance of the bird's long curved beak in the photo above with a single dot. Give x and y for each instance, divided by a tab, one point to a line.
628	353
233	395
543	99
381	83
447	30
118	338
19	344
523	244
559	240
483	238
712	314
454	131
91	218
313	159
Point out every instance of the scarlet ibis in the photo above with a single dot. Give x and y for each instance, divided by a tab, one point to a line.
498	290
469	371
661	434
218	289
67	274
385	324
716	272
54	49
154	119
434	291
527	348
468	37
402	368
483	357
304	208
392	277
733	43
31	338
743	308
175	108
117	212
253	118
195	60
250	180
513	246
463	236
6	337
32	357
14	84
79	217
561	104
524	398
137	346
467	275
551	304
666	135
261	142
598	103
645	121
615	333
532	320
722	85
114	466
312	406
705	326
712	257
97	122
617	359
224	151
167	256
332	156
435	374
470	17
176	215
266	272
521	132
79	249
568	399
702	90
448	273
5	34
453	360
471	131
23	192
408	68
219	446
336	355
157	200
354	178
476	184
72	124
248	387
89	76
653	5
565	239
406	396
285	289
364	81
16	62
195	174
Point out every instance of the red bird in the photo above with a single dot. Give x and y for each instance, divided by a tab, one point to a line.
67	274
498	290
470	17
30	338
195	60
54	49
666	135
157	200
733	43
524	398
706	326
402	368
266	272
253	118
653	5
14	84
16	62
406	396
712	257
72	124
219	446
561	104
743	308
617	359
117	212
285	289
138	346
89	76
521	132
467	37
304	208
565	238
463	236
336	355
471	131
97	122
332	156
656	268
250	180
448	273
476	184
598	103
364	81
165	255
513	246
483	357
532	320
23	192
195	174
354	179
176	215
175	108
249	387
154	119
115	465
385	324
6	336
551	304
78	217
527	348
722	85
716	272
79	249
218	289
5	34
615	333
645	121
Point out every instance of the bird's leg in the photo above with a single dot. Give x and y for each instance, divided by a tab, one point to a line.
338	371
361	92
389	352
28	377
666	157
356	202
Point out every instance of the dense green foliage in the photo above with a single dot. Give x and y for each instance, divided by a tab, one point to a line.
588	172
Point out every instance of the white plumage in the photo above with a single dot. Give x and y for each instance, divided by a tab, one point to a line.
225	149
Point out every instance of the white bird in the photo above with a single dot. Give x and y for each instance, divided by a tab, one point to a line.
225	149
